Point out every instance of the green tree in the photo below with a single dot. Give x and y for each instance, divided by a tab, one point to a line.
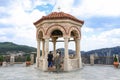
1	58
28	58
115	59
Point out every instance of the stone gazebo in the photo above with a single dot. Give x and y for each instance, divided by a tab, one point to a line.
50	28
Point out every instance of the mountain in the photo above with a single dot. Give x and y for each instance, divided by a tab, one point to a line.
10	47
103	52
102	56
62	51
99	52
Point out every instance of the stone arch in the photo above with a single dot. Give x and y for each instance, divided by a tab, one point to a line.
76	30
56	33
55	27
40	32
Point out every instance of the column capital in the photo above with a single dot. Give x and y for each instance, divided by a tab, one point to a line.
76	39
66	37
39	39
54	39
46	37
43	39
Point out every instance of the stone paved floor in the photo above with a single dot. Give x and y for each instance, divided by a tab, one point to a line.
97	72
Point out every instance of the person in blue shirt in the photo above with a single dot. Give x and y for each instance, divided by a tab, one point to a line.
50	60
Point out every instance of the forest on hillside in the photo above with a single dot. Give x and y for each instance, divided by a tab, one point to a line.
9	47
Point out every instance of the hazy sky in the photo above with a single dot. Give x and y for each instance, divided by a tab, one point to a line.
101	28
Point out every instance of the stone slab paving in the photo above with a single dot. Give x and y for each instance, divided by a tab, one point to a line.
96	72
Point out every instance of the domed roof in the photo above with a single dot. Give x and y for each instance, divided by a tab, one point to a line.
58	15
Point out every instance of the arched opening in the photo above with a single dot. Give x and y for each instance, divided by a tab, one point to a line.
72	50
56	33
55	37
74	34
57	40
40	37
72	42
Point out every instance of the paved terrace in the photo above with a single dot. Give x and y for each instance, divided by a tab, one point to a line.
96	72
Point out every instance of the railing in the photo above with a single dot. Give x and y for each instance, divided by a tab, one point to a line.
108	60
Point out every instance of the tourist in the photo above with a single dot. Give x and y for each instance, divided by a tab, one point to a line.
50	60
57	62
58	51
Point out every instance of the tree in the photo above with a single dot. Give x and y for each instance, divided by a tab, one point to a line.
115	59
28	58
1	58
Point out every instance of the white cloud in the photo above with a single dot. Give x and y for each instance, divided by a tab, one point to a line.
87	29
102	40
21	23
36	14
88	8
2	9
65	5
3	38
22	14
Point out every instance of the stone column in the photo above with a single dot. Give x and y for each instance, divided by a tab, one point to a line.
66	48
54	46
45	62
4	64
92	59
66	56
38	53
12	59
43	48
32	58
54	43
78	52
117	56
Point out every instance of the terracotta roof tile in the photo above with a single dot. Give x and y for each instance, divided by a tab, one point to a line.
58	15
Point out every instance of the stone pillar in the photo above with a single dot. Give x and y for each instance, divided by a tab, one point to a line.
66	55
38	53
117	56
54	43
12	59
54	46
4	64
32	58
43	48
92	59
66	48
107	58
78	52
45	62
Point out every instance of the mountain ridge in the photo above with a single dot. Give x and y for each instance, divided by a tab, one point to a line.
11	47
104	51
6	47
